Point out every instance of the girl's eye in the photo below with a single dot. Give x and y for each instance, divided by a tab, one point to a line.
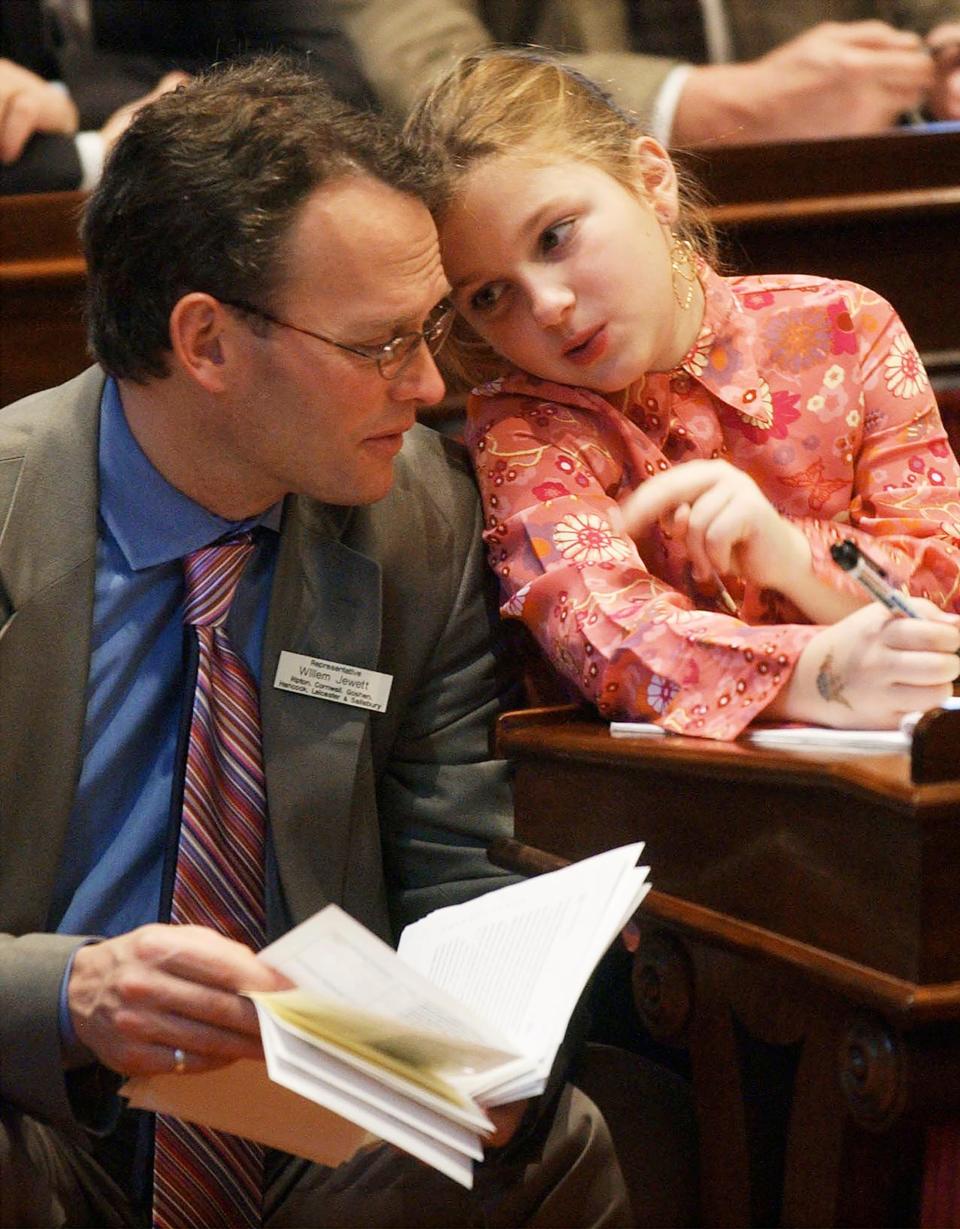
487	297
555	236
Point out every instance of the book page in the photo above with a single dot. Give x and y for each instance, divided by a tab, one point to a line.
419	1054
449	1099
337	959
522	955
424	1133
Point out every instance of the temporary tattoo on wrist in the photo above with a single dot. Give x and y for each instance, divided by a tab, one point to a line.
829	683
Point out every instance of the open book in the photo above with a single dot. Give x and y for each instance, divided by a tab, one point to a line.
409	1046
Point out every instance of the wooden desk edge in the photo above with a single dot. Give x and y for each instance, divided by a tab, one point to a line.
910	1004
928	775
813	210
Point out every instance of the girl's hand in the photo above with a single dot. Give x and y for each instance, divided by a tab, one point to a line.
726	522
872	667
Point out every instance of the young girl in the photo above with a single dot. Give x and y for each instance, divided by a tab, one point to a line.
666	455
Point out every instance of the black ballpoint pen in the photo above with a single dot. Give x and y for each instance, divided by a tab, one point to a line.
871	576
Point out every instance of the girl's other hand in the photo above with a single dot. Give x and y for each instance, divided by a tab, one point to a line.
872	667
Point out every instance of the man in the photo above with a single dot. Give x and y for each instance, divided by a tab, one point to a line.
755	69
137	788
72	71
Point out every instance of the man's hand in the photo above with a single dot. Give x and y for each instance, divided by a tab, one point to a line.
136	998
944	46
506	1118
28	104
726	523
835	79
873	667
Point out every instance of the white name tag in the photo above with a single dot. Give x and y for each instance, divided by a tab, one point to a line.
330	680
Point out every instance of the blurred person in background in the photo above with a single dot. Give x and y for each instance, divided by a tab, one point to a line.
73	72
694	70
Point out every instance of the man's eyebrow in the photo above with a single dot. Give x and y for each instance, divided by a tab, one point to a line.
395	325
460	282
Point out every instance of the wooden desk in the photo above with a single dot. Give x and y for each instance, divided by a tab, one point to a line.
42	275
882	210
806	907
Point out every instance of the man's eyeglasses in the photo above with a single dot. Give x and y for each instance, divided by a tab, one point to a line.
393	356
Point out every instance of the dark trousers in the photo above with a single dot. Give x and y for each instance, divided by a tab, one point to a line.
565	1176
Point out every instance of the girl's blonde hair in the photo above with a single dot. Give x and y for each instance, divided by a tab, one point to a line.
510	102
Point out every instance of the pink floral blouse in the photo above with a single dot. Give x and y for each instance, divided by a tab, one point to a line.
813	388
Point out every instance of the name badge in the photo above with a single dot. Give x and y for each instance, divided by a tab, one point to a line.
331	680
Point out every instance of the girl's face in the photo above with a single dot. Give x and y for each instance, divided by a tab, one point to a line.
565	272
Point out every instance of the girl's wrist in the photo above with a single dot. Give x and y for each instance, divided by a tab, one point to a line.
794	574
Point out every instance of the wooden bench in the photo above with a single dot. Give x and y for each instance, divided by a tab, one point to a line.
42	275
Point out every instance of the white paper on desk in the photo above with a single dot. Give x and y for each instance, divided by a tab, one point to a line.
521	956
271	1115
793	736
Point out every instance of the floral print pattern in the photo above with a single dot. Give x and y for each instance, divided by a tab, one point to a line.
813	388
589	539
904	372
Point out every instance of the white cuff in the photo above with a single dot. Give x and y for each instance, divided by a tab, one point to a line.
90	151
665	104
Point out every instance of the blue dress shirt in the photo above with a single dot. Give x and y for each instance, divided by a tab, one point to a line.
112	864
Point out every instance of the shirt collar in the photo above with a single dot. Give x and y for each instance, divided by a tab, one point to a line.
723	357
150	519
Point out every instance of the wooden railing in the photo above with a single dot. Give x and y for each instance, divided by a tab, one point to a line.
881	210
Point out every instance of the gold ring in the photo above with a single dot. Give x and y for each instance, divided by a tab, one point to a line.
179	1061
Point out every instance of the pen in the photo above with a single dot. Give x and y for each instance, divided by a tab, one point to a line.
848	556
724	594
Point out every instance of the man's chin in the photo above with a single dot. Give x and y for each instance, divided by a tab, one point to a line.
368	490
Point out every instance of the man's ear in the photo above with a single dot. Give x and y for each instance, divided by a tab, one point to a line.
199	325
656	177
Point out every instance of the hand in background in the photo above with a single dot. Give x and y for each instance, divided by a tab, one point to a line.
117	124
835	79
944	45
873	667
136	998
29	104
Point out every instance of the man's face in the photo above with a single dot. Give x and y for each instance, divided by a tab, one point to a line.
363	266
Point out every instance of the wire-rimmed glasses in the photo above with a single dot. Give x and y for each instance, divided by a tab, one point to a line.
392	356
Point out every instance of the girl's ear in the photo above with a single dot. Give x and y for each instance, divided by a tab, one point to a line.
656	178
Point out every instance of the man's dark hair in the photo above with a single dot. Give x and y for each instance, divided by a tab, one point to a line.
201	191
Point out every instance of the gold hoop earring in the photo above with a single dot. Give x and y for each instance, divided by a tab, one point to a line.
683	270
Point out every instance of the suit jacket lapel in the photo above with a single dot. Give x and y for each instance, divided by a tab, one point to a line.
47	566
326	604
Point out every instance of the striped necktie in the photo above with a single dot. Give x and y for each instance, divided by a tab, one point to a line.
205	1179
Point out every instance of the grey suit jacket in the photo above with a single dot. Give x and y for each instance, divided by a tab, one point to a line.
387	815
404	43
